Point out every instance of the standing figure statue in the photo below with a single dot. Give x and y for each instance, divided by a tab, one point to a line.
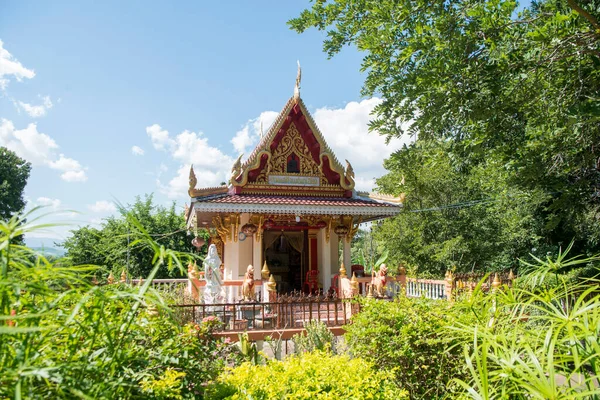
379	280
248	285
212	274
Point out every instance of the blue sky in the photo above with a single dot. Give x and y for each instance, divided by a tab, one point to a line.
81	84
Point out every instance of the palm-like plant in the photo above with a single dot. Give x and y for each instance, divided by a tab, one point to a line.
535	340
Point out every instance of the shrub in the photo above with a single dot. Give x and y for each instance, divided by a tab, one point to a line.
405	336
62	337
317	337
316	375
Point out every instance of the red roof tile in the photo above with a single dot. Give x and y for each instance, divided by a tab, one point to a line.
288	200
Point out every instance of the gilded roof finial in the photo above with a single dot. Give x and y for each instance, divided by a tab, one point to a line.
236	170
297	87
193	180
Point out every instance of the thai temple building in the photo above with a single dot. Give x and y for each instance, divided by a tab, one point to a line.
290	207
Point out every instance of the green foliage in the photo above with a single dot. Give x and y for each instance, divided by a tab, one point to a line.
317	337
61	337
315	375
14	172
248	349
504	108
492	225
110	246
404	337
534	342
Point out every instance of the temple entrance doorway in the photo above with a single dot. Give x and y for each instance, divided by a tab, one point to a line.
285	254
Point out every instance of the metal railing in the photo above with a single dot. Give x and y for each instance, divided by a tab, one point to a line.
286	312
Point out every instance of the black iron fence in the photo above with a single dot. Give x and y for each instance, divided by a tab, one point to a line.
286	312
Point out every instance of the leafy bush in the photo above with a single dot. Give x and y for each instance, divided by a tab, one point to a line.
316	375
62	337
405	336
318	337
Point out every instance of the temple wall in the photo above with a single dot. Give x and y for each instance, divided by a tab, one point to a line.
238	254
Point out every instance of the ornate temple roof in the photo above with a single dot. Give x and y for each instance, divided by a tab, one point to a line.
292	170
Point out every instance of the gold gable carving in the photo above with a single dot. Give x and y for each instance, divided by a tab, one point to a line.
291	143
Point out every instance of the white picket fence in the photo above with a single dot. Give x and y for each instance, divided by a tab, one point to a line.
431	289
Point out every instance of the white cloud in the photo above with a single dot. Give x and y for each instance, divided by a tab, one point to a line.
39	149
36	111
159	137
9	66
65	164
211	164
137	151
48	202
102	206
347	133
74	176
249	135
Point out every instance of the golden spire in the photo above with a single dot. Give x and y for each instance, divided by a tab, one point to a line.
297	87
123	276
111	278
496	283
343	271
265	271
354	282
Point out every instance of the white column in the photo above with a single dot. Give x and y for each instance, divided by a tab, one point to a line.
324	259
257	262
245	249
257	257
232	259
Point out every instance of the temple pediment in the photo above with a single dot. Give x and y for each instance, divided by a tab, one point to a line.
293	156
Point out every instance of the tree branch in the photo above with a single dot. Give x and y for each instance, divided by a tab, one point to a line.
584	14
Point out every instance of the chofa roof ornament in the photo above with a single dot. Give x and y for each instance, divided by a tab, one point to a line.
297	87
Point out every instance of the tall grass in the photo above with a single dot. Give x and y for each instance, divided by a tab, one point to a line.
63	337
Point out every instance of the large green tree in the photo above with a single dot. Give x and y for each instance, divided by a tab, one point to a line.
114	245
14	172
514	94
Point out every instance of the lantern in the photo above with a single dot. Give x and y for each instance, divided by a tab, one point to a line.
249	229
198	242
341	230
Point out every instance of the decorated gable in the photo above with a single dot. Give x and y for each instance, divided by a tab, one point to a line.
293	156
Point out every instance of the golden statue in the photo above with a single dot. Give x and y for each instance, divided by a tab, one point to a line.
379	280
248	285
